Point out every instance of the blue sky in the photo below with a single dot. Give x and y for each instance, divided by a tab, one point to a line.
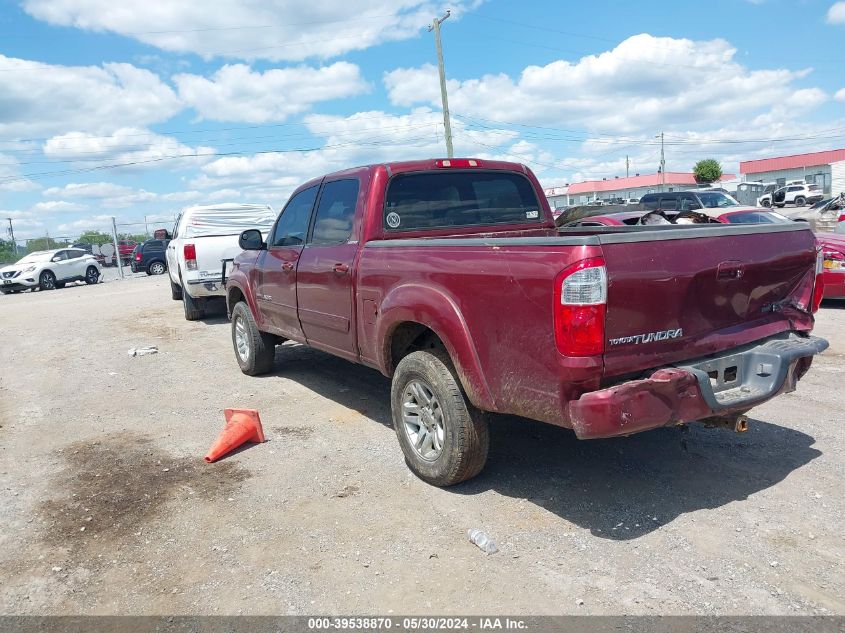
137	109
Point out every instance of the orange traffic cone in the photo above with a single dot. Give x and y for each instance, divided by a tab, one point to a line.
242	425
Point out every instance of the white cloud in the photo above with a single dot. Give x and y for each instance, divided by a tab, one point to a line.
11	178
251	29
840	95
836	13
237	93
143	148
358	139
645	83
40	99
181	196
56	206
90	223
110	195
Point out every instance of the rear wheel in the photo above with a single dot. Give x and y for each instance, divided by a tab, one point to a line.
254	349
800	201
766	203
92	275
194	308
47	281
175	291
156	268
444	438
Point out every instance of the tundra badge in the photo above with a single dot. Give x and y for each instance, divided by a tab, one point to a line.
662	335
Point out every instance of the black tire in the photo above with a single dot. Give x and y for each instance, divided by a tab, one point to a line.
47	280
194	308
259	348
92	275
156	268
466	437
175	291
800	201
766	203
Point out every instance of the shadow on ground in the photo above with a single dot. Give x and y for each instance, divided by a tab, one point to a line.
618	488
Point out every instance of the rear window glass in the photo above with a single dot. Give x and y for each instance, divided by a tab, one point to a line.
459	198
226	220
757	217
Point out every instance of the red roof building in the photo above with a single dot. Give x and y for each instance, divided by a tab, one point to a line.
795	161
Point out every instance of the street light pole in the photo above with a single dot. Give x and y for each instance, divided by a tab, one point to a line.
12	235
435	26
662	165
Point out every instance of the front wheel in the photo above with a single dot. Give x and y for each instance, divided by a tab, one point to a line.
766	203
800	201
254	349
175	291
47	281
444	438
194	308
92	275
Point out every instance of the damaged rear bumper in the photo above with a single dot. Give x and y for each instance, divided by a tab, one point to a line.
719	385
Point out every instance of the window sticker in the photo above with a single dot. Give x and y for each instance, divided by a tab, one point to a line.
393	220
531	215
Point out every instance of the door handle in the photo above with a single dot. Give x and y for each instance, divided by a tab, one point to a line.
340	268
287	267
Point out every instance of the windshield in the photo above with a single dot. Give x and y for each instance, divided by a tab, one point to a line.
716	200
35	257
432	199
757	217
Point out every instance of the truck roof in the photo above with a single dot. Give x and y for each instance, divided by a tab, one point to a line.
426	164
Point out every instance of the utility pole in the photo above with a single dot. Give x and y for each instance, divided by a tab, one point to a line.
627	166
435	26
116	247
47	232
12	235
146	228
662	165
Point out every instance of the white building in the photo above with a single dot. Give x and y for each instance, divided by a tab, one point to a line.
826	169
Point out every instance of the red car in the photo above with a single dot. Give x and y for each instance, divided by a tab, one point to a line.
450	277
832	244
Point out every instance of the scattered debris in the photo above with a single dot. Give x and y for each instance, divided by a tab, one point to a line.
484	542
143	351
347	491
579	602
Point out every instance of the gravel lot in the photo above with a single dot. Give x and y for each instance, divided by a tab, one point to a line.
106	506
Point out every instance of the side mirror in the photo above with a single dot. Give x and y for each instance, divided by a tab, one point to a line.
251	240
56	259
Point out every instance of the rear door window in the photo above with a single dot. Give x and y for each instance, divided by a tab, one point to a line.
335	212
438	199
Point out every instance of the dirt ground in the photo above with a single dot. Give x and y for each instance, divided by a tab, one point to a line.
106	506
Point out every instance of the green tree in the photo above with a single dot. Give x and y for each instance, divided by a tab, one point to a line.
94	237
707	170
45	244
7	252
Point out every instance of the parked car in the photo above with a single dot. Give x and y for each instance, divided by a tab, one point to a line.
832	246
825	215
688	200
797	194
125	250
450	277
150	257
89	248
47	270
202	237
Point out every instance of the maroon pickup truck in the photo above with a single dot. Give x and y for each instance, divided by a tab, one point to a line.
450	277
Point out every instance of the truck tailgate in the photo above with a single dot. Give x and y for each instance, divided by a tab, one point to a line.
687	293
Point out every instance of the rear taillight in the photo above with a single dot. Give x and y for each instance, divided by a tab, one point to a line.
841	217
137	257
833	260
580	301
818	289
190	252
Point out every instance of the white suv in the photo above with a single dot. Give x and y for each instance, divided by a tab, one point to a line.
48	270
798	194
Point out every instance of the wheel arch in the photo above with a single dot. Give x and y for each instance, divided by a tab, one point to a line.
416	317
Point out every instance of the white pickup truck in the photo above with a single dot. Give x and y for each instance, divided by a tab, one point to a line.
203	237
